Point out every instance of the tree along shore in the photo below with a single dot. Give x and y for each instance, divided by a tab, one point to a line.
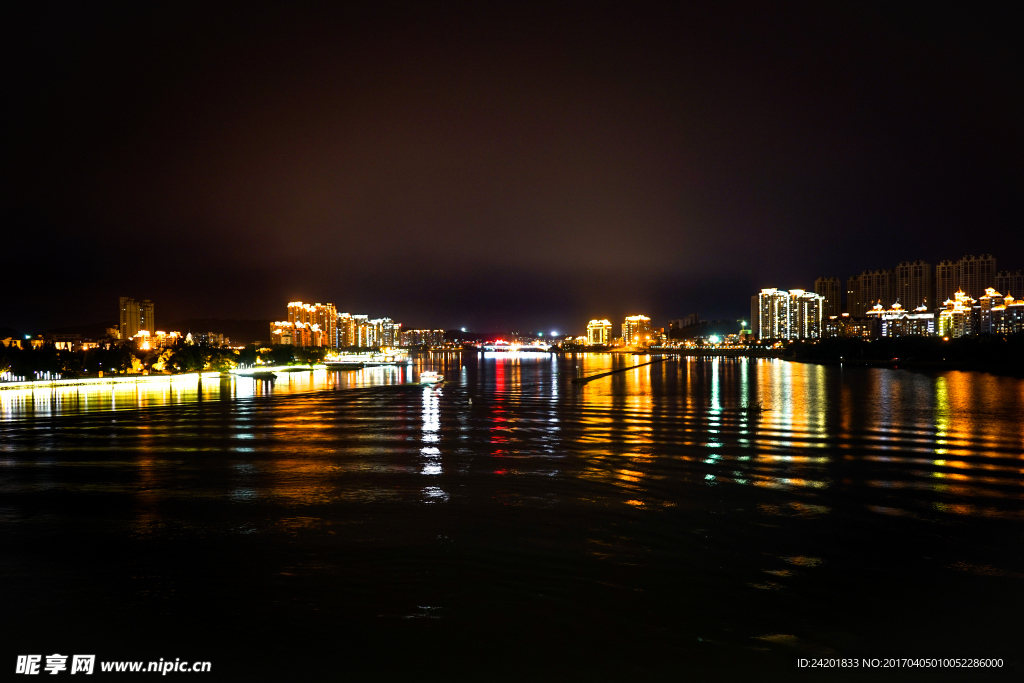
32	363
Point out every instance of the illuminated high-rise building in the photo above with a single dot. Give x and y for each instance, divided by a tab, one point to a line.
947	281
853	302
135	316
957	319
912	285
897	321
386	332
422	337
346	330
282	332
793	314
977	273
364	334
773	316
867	289
971	274
321	321
831	289
805	310
636	330
995	313
755	316
875	287
147	316
1011	320
128	325
599	332
1010	281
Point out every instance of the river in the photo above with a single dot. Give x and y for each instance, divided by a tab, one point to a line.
510	523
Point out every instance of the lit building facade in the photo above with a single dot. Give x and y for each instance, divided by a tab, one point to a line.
793	314
772	314
346	330
1013	316
831	289
895	321
912	285
599	332
212	339
363	333
423	338
135	316
298	334
947	281
977	273
806	310
1010	281
998	314
957	319
874	286
319	320
853	303
158	340
282	332
386	332
846	326
636	330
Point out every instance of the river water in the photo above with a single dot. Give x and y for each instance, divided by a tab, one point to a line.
510	523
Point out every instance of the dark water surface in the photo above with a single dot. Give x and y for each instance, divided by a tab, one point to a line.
511	525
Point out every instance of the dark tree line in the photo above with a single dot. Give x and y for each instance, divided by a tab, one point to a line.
118	360
979	350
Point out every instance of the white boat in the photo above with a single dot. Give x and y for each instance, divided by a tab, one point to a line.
430	377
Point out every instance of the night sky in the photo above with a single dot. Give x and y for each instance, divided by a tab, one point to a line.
497	166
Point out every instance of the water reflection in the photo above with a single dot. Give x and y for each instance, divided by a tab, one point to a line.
950	437
431	426
647	496
45	401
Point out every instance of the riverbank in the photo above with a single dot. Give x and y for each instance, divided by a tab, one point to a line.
894	364
1002	355
120	379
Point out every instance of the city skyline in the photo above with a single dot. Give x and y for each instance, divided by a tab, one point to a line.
910	283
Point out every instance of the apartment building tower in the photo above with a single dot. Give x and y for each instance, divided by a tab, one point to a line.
599	332
912	285
781	314
947	281
315	317
831	289
135	316
636	330
1010	282
977	273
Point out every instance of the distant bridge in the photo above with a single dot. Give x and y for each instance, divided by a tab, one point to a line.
501	346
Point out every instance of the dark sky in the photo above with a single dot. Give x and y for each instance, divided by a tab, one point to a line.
497	165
